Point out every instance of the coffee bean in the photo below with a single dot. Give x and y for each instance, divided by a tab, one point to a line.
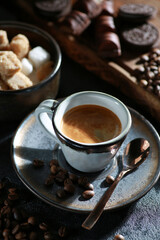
54	162
17	214
16	229
33	236
73	177
110	179
118	237
60	176
50	180
32	220
12	190
82	181
48	236
13	196
43	226
69	187
25	226
38	163
87	194
20	235
61	193
62	231
6	232
53	169
89	186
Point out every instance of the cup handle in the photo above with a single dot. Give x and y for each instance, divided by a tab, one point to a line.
43	114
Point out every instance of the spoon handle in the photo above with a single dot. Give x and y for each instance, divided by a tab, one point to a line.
99	207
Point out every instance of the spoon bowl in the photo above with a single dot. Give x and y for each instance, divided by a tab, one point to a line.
134	155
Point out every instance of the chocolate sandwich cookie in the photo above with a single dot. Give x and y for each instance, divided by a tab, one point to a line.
75	23
136	12
140	37
92	8
53	8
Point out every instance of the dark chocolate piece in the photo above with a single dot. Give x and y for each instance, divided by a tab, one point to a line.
104	23
108	7
108	45
141	36
107	40
136	12
92	8
53	8
75	23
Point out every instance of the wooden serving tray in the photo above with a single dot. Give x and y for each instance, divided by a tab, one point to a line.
117	72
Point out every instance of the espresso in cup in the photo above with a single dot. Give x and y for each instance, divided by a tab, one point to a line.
90	124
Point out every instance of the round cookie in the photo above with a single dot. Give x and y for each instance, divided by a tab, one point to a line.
141	36
136	12
53	8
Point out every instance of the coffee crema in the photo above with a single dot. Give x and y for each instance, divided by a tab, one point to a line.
90	124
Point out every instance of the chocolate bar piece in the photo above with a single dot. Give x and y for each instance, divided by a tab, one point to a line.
75	23
108	7
109	45
104	23
92	8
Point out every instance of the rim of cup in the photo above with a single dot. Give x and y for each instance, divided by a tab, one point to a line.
56	120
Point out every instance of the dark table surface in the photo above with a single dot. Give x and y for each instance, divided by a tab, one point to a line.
140	220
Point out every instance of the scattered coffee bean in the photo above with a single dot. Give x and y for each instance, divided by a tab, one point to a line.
54	162
110	179
73	177
89	186
32	220
69	187
38	163
87	194
61	193
33	236
43	226
50	180
62	231
48	236
118	237
82	181
54	169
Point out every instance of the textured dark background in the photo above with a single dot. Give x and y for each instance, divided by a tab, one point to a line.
141	220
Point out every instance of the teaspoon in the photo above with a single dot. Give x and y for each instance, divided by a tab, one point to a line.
134	154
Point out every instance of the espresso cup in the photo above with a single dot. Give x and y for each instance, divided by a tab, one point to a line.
86	154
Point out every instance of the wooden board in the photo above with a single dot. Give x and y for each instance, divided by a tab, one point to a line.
116	72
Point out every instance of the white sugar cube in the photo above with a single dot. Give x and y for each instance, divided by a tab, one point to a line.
38	56
27	66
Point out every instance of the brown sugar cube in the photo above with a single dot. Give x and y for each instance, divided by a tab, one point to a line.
20	45
44	70
19	81
3	85
4	42
9	64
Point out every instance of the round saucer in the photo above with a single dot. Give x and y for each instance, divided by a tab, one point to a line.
31	142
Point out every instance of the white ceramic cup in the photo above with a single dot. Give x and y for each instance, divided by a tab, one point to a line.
85	157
